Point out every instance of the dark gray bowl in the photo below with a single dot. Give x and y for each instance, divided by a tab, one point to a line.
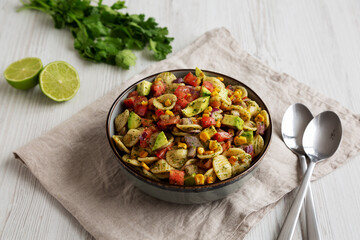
185	194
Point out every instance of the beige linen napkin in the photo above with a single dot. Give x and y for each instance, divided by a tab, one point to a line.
76	165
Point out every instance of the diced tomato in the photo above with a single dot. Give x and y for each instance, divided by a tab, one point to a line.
182	102
176	177
208	85
162	152
159	112
133	94
163	124
192	80
206	164
129	102
146	122
181	92
151	104
207	121
244	98
145	136
226	145
222	136
176	109
158	87
141	110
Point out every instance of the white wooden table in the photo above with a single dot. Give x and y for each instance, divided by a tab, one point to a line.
317	42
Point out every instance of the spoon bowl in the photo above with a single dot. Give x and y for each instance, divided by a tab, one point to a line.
293	125
322	136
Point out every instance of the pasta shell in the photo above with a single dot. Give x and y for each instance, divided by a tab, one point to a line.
173	86
150	175
222	167
253	108
148	160
215	82
126	158
121	120
164	175
166	77
119	144
176	157
266	118
189	162
239	167
244	92
216	153
177	132
160	166
233	152
132	137
258	144
210	173
244	113
188	127
159	102
249	126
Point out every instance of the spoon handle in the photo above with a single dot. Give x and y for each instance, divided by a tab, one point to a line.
288	227
311	222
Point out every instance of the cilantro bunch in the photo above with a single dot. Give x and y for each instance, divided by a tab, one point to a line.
102	33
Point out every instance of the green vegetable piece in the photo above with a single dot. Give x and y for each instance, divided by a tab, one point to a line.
160	141
249	136
125	59
144	88
204	92
233	121
198	72
195	107
190	180
134	121
211	131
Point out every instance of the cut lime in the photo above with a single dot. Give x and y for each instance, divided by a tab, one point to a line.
23	74
59	81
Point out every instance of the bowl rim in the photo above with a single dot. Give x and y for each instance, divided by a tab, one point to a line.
183	188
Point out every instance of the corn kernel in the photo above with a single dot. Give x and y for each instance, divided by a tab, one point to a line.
154	117
218	123
208	110
208	152
144	103
197	88
220	78
159	79
259	118
143	154
239	140
209	180
232	97
199	118
194	120
237	94
213	145
168	102
168	112
200	150
214	93
204	136
232	160
182	145
145	166
199	179
231	131
217	89
206	115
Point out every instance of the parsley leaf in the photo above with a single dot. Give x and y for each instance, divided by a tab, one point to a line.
102	33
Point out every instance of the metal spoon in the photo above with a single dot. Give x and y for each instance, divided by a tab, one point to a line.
321	139
293	125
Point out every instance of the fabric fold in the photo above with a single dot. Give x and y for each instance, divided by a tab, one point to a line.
76	165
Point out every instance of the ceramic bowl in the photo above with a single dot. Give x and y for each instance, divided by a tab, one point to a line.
185	194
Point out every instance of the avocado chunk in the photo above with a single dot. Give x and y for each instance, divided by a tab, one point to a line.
134	121
249	136
144	88
233	121
190	180
160	141
204	92
211	131
195	107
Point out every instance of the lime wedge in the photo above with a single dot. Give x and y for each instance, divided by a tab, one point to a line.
59	81
23	74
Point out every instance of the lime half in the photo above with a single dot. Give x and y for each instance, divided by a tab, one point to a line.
59	81
23	74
